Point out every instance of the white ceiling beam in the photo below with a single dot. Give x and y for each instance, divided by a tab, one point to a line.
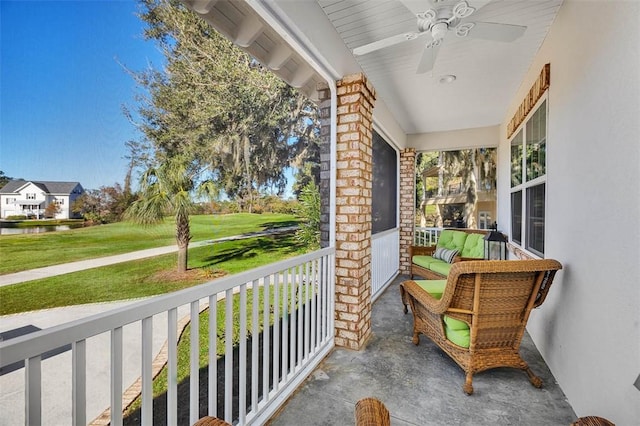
202	7
279	56
248	31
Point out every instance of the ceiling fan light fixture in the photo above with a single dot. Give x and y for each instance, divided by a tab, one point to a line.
439	30
446	79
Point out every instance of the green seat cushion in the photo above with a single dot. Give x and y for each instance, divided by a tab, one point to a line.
424	261
434	287
473	246
459	337
441	267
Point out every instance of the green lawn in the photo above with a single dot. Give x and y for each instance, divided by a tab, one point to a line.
29	251
146	277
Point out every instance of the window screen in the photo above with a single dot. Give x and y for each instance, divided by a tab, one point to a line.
385	184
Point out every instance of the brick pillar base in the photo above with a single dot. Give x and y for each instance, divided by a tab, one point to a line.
353	211
407	206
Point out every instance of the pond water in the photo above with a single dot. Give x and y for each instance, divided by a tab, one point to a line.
36	229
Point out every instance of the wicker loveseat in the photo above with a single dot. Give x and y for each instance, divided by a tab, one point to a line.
426	262
478	315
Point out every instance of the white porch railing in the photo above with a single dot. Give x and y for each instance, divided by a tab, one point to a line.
385	260
426	236
282	331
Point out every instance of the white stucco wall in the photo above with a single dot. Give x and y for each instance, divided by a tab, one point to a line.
588	330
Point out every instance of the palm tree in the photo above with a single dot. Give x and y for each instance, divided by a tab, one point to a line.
166	190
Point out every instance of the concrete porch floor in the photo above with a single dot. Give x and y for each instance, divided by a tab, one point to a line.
421	385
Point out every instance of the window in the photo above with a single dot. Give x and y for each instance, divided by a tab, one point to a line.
31	196
528	181
59	202
484	220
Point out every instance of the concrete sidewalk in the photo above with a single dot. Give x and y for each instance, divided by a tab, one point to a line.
66	268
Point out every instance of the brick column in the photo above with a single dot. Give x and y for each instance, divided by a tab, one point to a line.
356	97
324	109
407	206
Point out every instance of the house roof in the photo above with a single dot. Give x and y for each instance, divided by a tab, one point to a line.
50	187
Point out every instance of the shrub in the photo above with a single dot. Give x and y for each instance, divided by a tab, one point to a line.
309	210
51	211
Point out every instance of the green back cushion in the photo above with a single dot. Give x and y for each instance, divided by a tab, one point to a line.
459	337
451	239
455	324
456	331
446	239
434	287
473	246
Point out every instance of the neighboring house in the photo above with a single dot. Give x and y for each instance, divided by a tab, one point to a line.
30	198
450	200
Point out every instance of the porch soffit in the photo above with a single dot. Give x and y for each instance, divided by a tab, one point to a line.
488	73
241	24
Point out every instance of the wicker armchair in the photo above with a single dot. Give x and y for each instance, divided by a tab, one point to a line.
372	412
211	421
494	298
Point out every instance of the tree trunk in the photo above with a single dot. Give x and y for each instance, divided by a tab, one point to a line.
423	203
440	173
472	191
182	258
183	235
438	221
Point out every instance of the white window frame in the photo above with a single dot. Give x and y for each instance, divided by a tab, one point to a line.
527	184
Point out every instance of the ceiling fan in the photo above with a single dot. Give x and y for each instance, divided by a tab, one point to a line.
435	22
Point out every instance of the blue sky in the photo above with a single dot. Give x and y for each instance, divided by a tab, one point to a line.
62	87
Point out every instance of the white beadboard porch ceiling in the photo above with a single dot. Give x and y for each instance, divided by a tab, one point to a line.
488	73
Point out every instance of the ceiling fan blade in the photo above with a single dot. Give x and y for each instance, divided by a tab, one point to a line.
428	59
496	32
386	42
478	4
